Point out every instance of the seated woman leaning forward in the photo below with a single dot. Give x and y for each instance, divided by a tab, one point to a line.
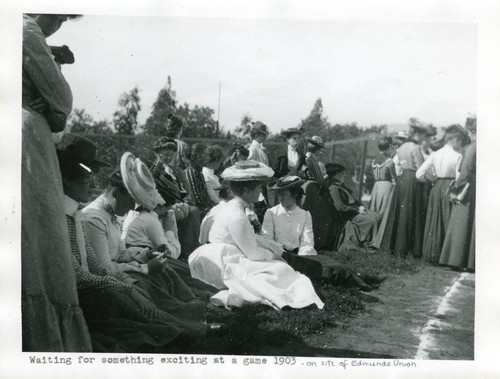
245	272
291	228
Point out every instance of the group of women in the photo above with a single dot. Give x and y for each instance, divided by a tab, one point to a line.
135	268
427	198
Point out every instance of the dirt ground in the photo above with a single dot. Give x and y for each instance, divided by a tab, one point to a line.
423	315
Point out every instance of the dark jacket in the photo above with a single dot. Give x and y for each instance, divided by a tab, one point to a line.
280	164
344	200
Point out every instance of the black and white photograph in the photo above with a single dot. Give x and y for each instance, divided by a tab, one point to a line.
285	190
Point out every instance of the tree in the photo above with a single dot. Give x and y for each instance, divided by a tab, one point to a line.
198	121
125	119
316	124
243	130
82	122
164	105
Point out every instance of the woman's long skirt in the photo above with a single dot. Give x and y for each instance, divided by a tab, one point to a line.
327	221
459	247
404	231
436	221
51	317
380	201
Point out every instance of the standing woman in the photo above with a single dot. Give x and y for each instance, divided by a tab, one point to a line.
51	317
384	173
290	161
459	247
327	221
440	167
404	231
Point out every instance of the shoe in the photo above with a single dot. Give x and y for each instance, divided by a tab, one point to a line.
374	279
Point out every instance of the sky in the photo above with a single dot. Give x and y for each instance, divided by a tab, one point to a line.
364	72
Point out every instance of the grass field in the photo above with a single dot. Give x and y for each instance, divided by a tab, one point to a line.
261	330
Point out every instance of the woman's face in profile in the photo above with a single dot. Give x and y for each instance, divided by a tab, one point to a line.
286	199
252	196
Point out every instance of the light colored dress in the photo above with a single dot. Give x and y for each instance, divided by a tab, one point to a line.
212	182
290	228
247	273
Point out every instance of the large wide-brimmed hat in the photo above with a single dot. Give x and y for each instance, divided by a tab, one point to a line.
260	127
290	131
431	130
420	128
139	182
80	150
458	130
286	182
334	168
316	140
247	170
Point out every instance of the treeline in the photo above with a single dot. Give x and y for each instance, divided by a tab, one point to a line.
199	120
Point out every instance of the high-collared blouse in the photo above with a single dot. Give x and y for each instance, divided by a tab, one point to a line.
444	163
257	153
293	158
89	273
212	182
384	171
290	228
104	233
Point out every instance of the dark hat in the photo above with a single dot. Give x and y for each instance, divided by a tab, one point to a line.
459	131
242	149
79	149
286	182
420	128
316	140
167	188
334	168
431	130
162	143
290	131
260	127
173	125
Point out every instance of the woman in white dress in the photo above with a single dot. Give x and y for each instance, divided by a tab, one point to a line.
233	262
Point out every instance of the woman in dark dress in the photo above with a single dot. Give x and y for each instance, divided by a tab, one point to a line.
327	221
459	247
404	231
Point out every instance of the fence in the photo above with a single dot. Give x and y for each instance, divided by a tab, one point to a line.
354	154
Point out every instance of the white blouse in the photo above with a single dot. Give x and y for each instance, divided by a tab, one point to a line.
290	228
212	182
231	226
257	153
444	163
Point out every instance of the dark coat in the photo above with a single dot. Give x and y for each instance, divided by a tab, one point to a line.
280	164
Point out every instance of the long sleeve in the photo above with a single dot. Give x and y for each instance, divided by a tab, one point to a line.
211	185
243	235
425	168
97	233
467	169
172	234
198	189
315	171
418	158
338	201
306	246
397	167
44	72
268	224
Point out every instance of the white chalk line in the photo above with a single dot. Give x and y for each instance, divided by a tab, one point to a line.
426	338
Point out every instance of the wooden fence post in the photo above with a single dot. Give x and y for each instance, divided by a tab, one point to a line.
362	169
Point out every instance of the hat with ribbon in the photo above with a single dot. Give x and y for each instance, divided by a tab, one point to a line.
247	170
80	150
260	127
290	131
316	140
286	182
163	143
139	182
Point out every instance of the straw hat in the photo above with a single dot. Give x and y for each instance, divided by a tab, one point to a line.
286	182
316	140
291	131
139	182
247	170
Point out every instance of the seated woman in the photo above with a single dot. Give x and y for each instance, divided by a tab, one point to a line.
327	222
121	316
360	222
187	215
215	158
245	272
134	183
291	227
